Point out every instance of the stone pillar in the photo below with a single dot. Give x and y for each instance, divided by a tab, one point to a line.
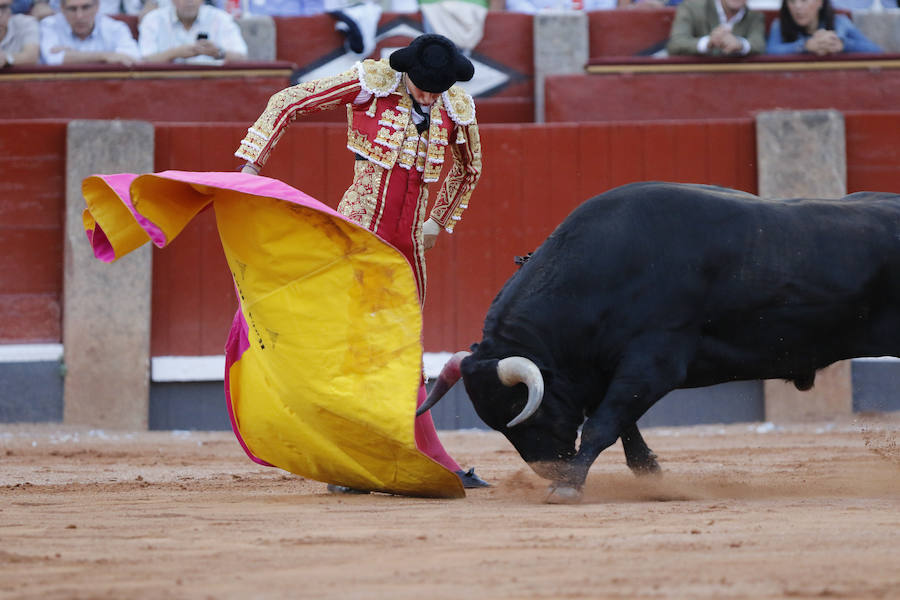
882	27
259	33
106	307
560	48
803	154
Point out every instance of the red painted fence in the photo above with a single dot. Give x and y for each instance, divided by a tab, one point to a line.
32	209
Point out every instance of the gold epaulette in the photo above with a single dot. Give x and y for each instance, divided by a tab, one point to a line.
460	106
377	77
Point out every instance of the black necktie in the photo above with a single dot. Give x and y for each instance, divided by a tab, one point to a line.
421	127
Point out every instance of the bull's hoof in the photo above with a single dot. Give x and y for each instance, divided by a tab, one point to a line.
563	494
645	466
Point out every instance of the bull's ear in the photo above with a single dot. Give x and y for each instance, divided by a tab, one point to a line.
474	347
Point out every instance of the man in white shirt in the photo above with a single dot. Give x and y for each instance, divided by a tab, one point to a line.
79	34
190	31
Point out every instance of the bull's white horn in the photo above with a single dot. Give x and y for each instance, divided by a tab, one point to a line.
518	369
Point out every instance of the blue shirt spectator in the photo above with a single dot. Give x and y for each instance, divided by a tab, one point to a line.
811	26
79	34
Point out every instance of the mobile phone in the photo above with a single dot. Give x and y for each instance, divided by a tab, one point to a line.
202	36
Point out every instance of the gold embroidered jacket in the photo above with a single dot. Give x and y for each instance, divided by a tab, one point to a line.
382	130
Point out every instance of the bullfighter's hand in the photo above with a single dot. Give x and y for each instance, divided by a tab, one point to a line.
430	232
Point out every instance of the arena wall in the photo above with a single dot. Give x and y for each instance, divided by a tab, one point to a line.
535	174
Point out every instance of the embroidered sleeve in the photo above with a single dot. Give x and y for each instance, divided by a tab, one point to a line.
288	104
460	181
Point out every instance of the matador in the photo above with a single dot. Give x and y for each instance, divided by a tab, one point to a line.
402	114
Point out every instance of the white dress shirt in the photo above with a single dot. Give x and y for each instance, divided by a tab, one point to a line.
108	35
161	30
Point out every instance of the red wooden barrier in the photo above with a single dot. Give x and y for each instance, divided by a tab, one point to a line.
235	93
873	152
534	175
32	209
685	88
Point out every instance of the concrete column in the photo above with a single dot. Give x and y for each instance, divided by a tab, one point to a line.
803	154
106	307
560	48
882	27
259	33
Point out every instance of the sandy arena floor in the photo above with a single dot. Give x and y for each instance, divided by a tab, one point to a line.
743	511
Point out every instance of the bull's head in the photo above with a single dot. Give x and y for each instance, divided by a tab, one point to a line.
508	396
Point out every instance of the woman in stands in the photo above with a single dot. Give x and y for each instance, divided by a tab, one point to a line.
810	26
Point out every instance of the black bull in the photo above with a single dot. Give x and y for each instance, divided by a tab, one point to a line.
652	287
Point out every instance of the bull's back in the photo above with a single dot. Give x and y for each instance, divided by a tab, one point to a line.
670	249
659	230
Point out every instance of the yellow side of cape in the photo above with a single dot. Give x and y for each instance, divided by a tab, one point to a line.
327	387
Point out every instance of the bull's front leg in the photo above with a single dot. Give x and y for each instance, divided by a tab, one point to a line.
595	437
642	378
598	433
638	456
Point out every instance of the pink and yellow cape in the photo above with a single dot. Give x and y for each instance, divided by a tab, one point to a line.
323	360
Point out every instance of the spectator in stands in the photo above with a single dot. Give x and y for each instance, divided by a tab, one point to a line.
190	31
717	28
79	34
19	37
811	26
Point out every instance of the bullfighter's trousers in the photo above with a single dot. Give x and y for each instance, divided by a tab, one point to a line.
400	224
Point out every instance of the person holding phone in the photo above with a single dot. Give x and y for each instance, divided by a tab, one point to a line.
192	32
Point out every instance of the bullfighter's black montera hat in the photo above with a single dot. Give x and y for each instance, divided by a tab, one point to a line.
433	63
